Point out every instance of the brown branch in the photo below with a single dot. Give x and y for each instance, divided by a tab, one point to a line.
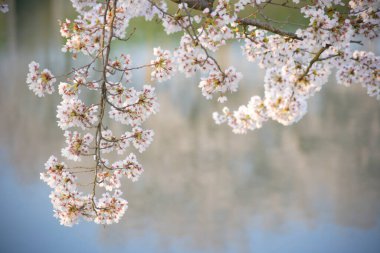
203	4
105	56
270	28
196	4
267	27
314	60
285	4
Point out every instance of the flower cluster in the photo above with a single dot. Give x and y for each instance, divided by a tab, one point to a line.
163	65
123	65
40	82
74	113
220	82
112	208
89	30
69	204
180	20
136	106
297	66
363	68
191	58
92	33
129	167
77	145
245	118
215	31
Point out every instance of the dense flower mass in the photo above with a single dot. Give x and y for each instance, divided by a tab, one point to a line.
128	167
220	82
111	208
136	107
74	113
68	203
297	65
77	146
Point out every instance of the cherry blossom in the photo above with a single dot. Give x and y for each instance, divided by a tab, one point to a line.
74	113
220	82
191	59
57	175
69	206
137	107
110	142
141	139
129	167
163	65
40	82
109	180
297	64
111	208
77	146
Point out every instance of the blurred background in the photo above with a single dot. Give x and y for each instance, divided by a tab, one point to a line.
310	187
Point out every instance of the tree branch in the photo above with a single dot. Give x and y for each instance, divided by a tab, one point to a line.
315	59
196	4
203	4
267	27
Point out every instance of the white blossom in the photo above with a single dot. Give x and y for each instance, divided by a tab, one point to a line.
129	167
40	82
74	113
77	145
297	66
110	208
163	65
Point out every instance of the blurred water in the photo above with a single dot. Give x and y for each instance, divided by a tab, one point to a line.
310	187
